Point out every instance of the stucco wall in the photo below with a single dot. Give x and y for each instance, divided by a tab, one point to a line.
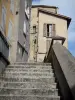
34	17
9	14
17	19
21	38
34	21
14	20
61	30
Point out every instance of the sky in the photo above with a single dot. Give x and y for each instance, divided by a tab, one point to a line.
66	7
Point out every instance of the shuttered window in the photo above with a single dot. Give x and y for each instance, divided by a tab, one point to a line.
12	6
48	30
3	18
10	31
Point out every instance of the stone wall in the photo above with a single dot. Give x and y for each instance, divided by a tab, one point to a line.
64	68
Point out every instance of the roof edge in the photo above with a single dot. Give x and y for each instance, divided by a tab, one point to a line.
57	15
34	6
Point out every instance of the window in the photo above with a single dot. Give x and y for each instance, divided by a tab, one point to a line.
34	29
10	31
3	18
12	6
49	30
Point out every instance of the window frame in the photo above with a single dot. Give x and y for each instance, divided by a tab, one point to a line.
46	30
52	33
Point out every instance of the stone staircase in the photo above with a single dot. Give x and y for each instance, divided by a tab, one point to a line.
28	81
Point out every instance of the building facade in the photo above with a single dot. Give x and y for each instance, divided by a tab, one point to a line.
14	30
45	24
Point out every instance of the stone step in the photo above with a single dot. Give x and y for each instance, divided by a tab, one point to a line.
30	91
27	70
28	73
33	64
23	74
48	80
29	85
24	77
29	67
29	97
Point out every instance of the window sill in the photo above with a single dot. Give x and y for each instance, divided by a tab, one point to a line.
49	36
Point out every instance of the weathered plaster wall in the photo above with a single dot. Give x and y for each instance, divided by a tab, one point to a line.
64	67
61	30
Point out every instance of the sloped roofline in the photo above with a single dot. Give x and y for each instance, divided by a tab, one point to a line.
34	6
56	15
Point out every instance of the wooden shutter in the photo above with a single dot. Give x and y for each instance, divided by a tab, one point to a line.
45	30
53	29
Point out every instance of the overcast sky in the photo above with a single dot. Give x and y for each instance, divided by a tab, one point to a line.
66	7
